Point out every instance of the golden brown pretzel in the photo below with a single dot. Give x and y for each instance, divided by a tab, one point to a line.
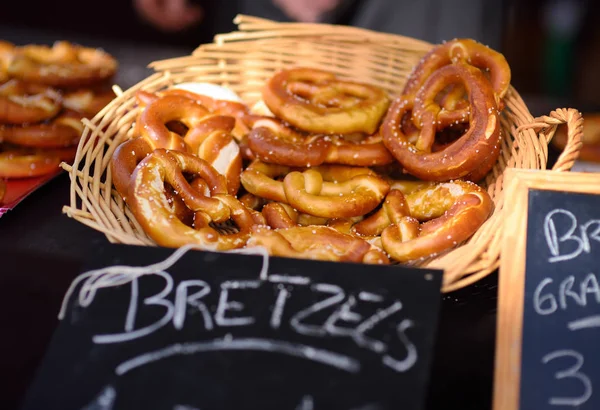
453	211
317	101
461	50
153	120
62	65
151	208
307	192
87	101
124	160
316	242
211	140
479	146
21	103
2	189
19	164
62	131
264	180
271	141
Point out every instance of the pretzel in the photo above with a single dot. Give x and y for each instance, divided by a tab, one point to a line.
317	243
21	103
63	65
453	212
17	164
126	157
477	148
262	179
235	109
307	192
2	189
211	140
63	131
152	123
88	102
461	50
147	200
271	141
317	101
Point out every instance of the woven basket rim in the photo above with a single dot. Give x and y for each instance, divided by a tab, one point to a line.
93	202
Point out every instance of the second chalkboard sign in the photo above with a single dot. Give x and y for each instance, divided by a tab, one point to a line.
549	294
200	330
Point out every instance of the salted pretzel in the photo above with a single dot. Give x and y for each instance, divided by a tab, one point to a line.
272	141
62	131
154	118
265	180
466	51
20	164
316	242
88	102
147	200
453	212
22	103
318	101
310	193
63	65
478	147
211	139
237	110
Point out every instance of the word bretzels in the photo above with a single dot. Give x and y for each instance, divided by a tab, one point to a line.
147	200
22	104
319	102
478	146
462	208
316	242
63	65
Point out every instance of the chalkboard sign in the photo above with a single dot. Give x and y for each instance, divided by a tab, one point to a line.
548	334
202	330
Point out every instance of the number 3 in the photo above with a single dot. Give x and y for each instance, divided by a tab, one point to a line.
572	372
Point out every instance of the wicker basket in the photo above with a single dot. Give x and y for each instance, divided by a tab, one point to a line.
244	59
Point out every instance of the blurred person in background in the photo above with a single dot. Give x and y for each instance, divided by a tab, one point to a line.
429	20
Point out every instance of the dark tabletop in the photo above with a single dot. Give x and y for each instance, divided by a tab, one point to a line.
41	251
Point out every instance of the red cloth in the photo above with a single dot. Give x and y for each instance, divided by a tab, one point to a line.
18	189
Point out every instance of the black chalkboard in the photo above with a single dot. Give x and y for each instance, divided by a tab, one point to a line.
230	331
561	320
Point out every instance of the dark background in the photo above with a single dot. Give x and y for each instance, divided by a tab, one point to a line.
43	249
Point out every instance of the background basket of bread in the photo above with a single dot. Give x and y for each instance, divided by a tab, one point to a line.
317	141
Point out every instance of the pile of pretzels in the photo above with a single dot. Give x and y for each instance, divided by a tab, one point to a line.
45	91
322	167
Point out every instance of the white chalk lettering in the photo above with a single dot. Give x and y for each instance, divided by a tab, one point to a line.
577	244
282	296
344	314
226	305
307	403
565	291
573	372
338	295
539	300
375	345
411	355
590	286
104	401
183	300
571	292
322	356
156	300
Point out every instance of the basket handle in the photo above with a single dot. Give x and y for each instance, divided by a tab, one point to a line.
549	123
